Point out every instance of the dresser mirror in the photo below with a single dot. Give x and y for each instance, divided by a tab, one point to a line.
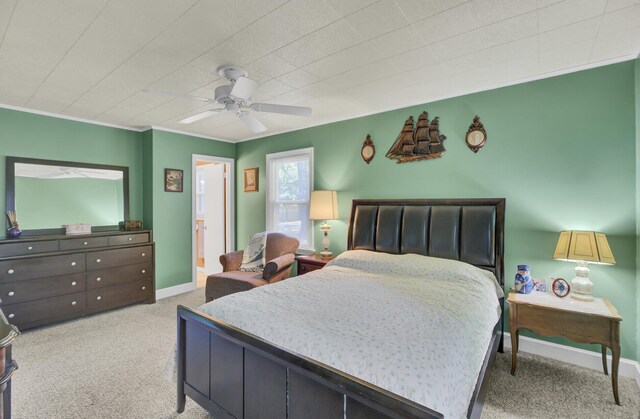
47	194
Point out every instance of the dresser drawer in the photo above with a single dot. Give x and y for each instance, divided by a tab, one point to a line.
119	295
35	289
48	308
28	248
115	276
41	267
86	243
118	257
122	239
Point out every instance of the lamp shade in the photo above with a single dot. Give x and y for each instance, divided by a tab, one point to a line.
587	246
324	205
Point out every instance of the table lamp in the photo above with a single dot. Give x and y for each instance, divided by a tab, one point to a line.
324	206
583	247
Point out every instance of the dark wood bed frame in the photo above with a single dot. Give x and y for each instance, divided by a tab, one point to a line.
234	374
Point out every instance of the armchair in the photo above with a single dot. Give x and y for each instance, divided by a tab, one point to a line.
279	256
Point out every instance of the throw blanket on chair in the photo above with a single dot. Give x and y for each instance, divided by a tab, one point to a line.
253	258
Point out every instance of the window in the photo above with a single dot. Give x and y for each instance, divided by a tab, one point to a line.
289	182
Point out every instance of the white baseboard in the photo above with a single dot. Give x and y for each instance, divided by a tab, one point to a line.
175	290
576	356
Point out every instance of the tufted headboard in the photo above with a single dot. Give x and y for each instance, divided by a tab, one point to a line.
469	230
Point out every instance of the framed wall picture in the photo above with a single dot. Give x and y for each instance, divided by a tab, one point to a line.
173	180
251	179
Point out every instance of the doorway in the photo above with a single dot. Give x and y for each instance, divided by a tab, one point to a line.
212	214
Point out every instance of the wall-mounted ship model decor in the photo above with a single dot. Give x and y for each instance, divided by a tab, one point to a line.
422	143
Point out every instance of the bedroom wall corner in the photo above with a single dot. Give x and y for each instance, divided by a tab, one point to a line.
637	109
542	135
170	212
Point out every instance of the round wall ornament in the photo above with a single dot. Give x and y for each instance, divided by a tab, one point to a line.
476	135
368	150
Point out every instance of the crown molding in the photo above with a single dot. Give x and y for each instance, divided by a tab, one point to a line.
69	118
190	134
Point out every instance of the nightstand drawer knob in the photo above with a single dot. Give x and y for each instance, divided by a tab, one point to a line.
130	238
11	293
10	271
144	288
98	260
143	255
73	303
73	264
303	268
98	298
11	316
98	279
30	248
85	243
144	271
73	284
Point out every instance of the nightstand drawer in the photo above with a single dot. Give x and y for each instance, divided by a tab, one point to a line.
575	326
304	268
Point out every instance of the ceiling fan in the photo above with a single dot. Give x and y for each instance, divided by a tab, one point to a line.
236	98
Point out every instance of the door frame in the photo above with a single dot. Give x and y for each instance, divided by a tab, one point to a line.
230	207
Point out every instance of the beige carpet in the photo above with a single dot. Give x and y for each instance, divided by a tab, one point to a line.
112	366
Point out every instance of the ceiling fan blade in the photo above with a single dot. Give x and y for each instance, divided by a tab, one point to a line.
251	122
243	88
163	93
288	110
202	115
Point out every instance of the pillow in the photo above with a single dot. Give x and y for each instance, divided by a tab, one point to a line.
253	258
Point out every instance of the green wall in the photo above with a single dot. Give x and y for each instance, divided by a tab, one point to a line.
171	212
29	135
561	150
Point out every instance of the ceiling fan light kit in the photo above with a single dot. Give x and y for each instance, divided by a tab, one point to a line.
236	98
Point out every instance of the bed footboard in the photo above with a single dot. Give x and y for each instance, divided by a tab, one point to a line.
234	374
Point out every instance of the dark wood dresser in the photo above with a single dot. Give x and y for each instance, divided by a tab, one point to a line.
8	333
53	278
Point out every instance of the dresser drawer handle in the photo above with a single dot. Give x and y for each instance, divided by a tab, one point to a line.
11	316
144	288
10	271
98	260
143	254
144	271
98	298
303	268
73	303
73	264
30	248
11	293
130	238
98	279
73	284
85	243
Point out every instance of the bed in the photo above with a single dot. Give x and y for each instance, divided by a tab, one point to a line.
243	366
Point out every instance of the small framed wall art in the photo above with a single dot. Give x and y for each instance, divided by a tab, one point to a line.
173	180
251	179
476	135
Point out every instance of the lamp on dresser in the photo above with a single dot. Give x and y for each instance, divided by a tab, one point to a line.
324	206
583	247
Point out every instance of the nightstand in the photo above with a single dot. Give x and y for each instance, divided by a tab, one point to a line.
308	263
543	313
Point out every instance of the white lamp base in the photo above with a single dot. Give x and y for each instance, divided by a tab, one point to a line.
325	228
581	285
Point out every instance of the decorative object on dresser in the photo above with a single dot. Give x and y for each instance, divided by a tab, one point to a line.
75	229
422	143
368	150
279	255
476	136
173	180
14	231
561	287
523	282
8	366
324	206
48	279
251	179
583	247
312	262
130	225
596	322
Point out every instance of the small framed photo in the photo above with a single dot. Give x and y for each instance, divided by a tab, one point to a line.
173	180
251	179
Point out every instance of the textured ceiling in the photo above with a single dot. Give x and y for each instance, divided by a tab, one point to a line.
91	59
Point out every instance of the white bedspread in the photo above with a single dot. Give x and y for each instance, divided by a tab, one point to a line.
414	325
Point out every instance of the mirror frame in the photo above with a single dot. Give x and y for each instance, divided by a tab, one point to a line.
10	191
